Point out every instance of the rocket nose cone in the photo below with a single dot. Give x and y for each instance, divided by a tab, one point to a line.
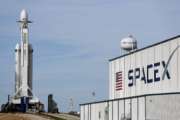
24	15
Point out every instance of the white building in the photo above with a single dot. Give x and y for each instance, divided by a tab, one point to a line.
143	85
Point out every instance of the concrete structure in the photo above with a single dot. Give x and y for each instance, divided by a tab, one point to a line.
143	85
52	105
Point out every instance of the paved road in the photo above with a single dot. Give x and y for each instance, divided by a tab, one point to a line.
20	116
65	116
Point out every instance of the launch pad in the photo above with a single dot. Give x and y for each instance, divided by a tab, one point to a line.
23	100
23	104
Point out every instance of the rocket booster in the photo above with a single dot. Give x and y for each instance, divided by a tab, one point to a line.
23	78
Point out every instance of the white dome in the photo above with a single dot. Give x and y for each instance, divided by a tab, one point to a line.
24	15
129	43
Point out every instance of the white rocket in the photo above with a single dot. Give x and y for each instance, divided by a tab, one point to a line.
23	57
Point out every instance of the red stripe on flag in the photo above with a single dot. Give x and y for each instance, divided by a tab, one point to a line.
118	86
118	89
118	83
118	80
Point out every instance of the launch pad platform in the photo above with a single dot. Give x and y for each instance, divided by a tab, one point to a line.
23	104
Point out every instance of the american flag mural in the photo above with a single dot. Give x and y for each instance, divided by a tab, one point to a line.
119	82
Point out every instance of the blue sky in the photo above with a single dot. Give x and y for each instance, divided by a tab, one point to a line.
74	39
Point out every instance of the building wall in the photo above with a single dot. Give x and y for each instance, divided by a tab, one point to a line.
163	107
149	62
151	107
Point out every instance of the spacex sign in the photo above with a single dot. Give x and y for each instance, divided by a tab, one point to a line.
147	74
143	73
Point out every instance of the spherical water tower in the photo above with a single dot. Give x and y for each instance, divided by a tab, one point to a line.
129	43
